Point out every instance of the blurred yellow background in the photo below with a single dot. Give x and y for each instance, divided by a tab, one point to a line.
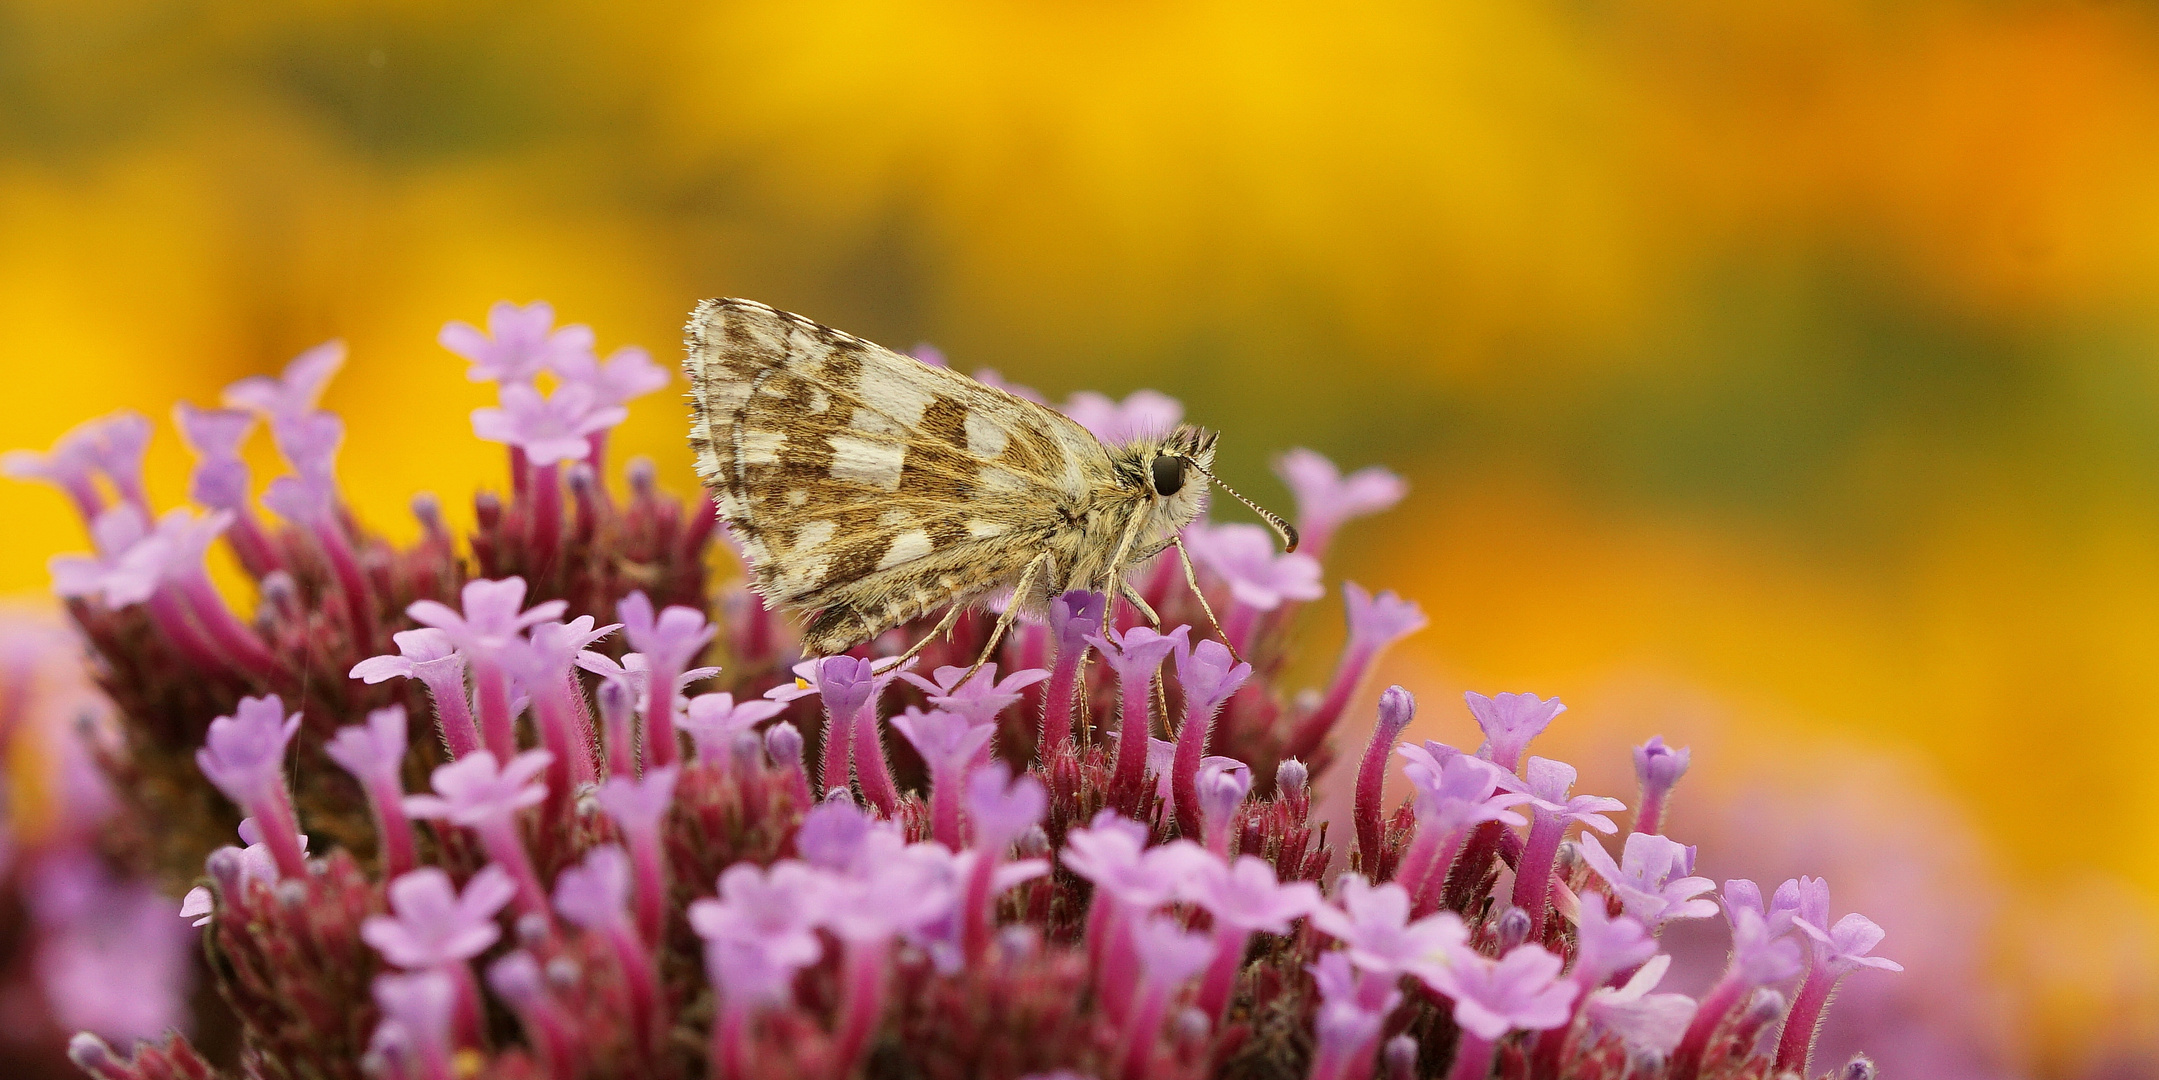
1780	377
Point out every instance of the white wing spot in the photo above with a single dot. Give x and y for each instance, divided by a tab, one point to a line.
865	462
762	447
872	422
813	536
907	546
984	438
819	400
897	392
797	497
978	528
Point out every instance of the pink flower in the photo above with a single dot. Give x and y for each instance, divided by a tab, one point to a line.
433	924
1244	556
1326	499
520	342
1644	883
551	429
627	374
1510	721
1648	1025
474	790
1373	922
1519	991
294	392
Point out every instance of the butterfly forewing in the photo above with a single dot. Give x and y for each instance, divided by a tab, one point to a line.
866	483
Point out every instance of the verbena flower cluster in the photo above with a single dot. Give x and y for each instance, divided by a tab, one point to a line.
544	804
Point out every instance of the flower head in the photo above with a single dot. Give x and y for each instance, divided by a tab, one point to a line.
1659	766
112	445
294	392
492	618
433	924
1111	852
550	429
1136	654
1549	782
628	373
639	804
1644	880
1647	1024
1210	675
1373	921
1509	722
777	909
1606	945
1375	622
946	742
1169	953
1246	894
520	342
595	894
846	683
979	699
671	639
1003	806
372	752
1244	556
1145	412
220	479
715	719
475	790
1073	616
1849	945
1460	791
244	754
1520	991
1326	499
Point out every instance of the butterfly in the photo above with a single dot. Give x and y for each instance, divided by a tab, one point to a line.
867	489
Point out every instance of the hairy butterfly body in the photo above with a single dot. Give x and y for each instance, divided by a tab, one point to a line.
867	488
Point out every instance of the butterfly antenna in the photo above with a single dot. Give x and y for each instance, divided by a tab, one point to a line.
1281	528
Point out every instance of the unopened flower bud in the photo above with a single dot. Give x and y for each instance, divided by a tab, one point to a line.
427	508
1191	1025
487	509
1861	1067
744	753
1291	776
839	794
1763	1010
1400	1058
532	928
643	477
563	972
93	1055
783	742
281	595
1513	929
1033	843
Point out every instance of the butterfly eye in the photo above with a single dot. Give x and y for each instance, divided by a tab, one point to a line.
1168	475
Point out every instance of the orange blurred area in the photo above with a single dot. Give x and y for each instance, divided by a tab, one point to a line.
1780	378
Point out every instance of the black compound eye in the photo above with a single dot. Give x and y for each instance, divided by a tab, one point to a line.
1168	475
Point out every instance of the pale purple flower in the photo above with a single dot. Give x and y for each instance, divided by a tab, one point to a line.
1651	881
639	805
778	909
1549	783
947	742
430	656
115	574
220	478
294	392
833	835
1245	894
1353	1005
1510	721
309	442
1762	953
1222	785
245	864
1136	654
113	445
494	615
433	924
374	753
853	683
1209	676
1606	945
714	720
520	342
475	790
1244	556
669	640
628	373
550	430
1373	922
1457	791
1002	806
1111	852
414	1030
595	894
244	754
1169	953
1145	412
1849	945
979	699
1376	622
1520	991
1326	499
1648	1025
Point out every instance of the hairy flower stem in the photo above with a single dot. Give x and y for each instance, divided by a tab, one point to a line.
399	854
500	840
977	914
175	625
1220	979
1134	725
1472	1057
731	1041
1694	1045
870	767
546	490
650	875
453	714
1184	771
1795	1047
351	584
862	1003
1140	1028
1428	887
1533	875
236	640
280	832
661	745
1057	701
836	757
498	727
642	982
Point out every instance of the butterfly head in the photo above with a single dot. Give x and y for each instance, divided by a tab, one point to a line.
1177	469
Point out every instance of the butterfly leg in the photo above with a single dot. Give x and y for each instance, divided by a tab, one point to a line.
1191	578
943	627
1021	591
1139	603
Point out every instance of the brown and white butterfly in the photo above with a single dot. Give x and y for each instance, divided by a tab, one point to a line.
867	488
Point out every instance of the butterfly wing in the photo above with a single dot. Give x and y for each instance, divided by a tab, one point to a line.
866	484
